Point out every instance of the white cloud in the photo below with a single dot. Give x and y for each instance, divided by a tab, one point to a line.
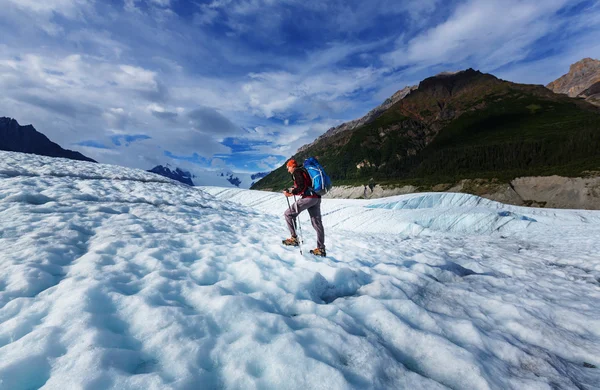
549	69
285	141
339	15
483	33
279	93
99	99
161	3
136	78
125	111
270	163
116	118
130	5
41	14
167	65
206	15
186	142
207	120
66	8
218	163
101	41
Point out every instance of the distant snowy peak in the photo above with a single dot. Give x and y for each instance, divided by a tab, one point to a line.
178	174
201	177
26	139
223	177
231	178
257	176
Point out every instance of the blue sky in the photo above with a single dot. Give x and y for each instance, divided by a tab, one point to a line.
241	84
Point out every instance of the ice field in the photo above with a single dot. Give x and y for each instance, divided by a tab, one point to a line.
115	278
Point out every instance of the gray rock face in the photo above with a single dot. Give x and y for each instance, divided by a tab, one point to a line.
178	174
371	116
592	94
581	81
535	191
560	192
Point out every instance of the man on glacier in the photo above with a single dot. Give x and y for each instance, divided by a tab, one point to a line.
309	200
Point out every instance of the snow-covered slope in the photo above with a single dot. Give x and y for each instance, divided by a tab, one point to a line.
116	278
424	214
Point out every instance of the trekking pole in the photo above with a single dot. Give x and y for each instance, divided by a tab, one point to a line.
299	227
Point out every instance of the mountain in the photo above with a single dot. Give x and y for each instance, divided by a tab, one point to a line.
178	174
26	139
461	125
259	175
116	278
583	80
371	116
592	94
223	177
231	178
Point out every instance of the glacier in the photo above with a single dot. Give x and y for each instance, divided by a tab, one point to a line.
116	278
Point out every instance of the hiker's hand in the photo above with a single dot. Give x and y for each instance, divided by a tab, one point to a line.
287	193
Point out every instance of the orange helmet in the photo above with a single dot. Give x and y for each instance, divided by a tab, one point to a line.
291	163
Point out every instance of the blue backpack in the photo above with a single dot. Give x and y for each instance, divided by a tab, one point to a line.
321	183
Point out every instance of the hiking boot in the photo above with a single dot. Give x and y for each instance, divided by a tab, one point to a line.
318	252
292	241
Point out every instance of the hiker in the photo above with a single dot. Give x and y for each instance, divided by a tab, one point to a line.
310	201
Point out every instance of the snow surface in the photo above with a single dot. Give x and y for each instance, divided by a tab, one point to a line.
118	278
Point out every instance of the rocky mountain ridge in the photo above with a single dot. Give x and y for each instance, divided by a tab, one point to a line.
202	177
583	81
429	83
461	125
177	174
371	116
26	139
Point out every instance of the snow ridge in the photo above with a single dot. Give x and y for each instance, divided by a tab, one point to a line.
21	164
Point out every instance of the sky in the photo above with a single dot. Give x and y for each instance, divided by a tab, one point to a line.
242	84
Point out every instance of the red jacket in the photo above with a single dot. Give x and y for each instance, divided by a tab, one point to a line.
302	184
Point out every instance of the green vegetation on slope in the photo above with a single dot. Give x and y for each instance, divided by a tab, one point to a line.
510	134
521	135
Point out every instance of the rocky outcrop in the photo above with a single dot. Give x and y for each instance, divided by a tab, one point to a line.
592	94
583	80
560	192
26	139
371	116
368	192
231	178
534	191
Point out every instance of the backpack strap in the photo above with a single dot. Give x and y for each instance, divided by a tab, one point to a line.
309	188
